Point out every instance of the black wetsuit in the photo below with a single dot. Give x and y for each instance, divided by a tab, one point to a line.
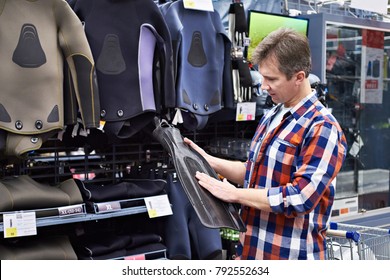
202	62
132	48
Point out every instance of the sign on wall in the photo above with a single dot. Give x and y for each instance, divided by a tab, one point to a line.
377	6
372	66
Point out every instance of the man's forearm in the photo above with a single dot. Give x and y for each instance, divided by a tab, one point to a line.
256	198
234	171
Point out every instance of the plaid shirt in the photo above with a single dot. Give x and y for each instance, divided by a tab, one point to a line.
297	162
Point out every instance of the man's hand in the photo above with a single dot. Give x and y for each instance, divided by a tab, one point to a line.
195	147
220	189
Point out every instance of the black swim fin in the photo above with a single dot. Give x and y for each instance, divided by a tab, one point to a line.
212	212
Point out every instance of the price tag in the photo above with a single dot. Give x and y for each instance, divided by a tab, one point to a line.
102	123
247	41
19	224
246	111
356	146
201	5
136	257
71	210
158	206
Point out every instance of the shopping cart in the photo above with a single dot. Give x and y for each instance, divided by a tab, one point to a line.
353	242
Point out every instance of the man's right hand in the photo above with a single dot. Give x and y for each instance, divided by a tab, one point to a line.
195	147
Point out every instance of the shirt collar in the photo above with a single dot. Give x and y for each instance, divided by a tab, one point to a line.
298	110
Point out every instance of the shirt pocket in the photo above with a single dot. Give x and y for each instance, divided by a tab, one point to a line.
283	152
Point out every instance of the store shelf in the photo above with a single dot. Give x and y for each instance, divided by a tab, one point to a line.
50	221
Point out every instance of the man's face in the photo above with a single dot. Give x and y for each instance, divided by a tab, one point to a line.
275	82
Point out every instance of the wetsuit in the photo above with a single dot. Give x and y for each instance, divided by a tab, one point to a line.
132	48
202	62
185	236
36	38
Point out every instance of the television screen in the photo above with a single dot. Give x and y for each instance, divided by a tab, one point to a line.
260	24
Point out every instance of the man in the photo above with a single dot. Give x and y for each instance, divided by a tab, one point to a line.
296	152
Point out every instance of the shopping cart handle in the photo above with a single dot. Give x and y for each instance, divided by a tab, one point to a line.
333	225
352	235
355	236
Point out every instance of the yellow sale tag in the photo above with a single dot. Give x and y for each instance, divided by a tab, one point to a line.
240	117
189	4
102	123
11	232
152	213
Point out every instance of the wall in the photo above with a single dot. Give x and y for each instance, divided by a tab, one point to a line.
283	6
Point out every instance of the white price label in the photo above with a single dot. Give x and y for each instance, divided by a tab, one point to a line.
19	224
246	111
201	5
158	206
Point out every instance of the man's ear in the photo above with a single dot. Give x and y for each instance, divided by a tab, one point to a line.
300	77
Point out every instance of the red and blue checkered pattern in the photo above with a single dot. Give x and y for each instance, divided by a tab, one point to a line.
297	162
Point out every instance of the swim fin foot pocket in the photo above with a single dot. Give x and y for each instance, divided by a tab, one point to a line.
212	212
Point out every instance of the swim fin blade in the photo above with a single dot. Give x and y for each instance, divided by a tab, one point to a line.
212	212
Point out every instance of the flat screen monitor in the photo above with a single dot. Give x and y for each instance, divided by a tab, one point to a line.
260	24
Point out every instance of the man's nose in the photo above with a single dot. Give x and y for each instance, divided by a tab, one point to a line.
264	86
